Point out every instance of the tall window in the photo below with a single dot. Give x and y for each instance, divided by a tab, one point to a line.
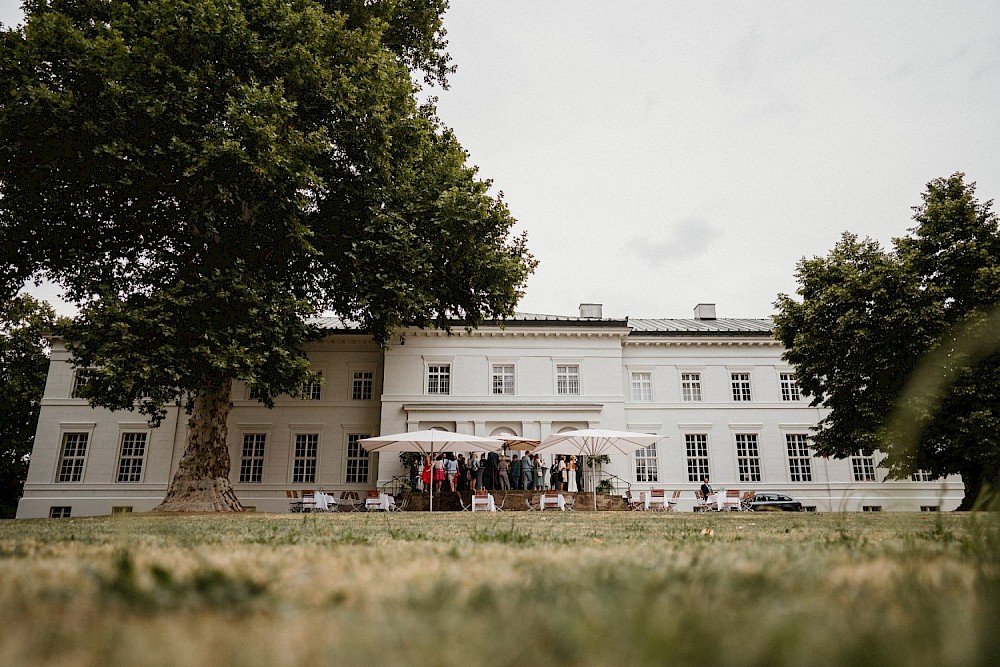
74	453
81	377
646	468
439	379
922	476
642	388
799	462
789	388
697	456
691	386
748	457
741	386
252	463
357	460
863	467
503	378
567	379
361	386
312	391
253	392
133	453
304	460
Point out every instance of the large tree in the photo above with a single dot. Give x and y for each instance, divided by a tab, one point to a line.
901	344
24	364
202	176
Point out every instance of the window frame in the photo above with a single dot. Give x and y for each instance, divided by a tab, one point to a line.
799	457
252	464
306	465
568	373
691	389
137	462
642	391
313	391
77	462
503	377
647	464
863	467
742	386
351	439
699	463
789	387
441	372
748	462
362	387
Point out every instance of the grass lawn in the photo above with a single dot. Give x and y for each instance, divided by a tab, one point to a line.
614	588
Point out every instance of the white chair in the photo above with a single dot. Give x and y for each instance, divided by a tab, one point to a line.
672	503
481	502
551	500
731	503
657	500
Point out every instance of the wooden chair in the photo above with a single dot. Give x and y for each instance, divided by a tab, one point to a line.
746	500
701	503
373	500
672	502
658	500
481	501
731	503
550	500
634	502
308	501
350	502
294	504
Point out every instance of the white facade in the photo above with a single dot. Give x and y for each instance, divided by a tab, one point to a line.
717	390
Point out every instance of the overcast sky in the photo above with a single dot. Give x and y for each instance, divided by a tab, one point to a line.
660	154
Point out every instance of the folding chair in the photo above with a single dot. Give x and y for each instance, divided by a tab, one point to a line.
308	501
373	500
294	504
634	504
746	500
550	500
731	503
481	501
672	503
701	502
658	500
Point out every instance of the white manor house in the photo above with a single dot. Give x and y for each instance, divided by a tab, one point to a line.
717	390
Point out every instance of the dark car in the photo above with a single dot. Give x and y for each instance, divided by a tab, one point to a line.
772	502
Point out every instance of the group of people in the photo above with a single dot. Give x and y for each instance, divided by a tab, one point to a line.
496	472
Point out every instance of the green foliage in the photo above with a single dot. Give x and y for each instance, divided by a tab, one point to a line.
209	174
867	320
24	363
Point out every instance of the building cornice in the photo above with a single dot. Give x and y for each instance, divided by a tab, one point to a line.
475	406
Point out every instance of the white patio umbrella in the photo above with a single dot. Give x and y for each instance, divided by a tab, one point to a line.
430	443
596	442
516	442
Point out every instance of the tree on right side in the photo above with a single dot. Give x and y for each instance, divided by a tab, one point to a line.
900	344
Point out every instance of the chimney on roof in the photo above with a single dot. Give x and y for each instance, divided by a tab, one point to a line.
591	310
704	311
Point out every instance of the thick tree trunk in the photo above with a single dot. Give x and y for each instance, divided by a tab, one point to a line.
201	483
982	487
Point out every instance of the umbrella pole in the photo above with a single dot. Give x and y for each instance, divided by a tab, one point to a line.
432	479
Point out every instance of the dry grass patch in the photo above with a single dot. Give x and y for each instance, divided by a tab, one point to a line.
450	589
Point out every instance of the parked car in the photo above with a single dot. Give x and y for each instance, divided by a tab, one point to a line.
764	502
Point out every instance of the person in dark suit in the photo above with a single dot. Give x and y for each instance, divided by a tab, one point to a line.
492	466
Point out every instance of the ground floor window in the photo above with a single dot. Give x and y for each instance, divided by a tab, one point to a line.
748	457
72	457
863	467
252	462
60	512
133	452
357	461
304	462
646	465
697	456
799	461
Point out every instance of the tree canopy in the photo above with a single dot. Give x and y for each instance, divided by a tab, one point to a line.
900	344
24	364
202	176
